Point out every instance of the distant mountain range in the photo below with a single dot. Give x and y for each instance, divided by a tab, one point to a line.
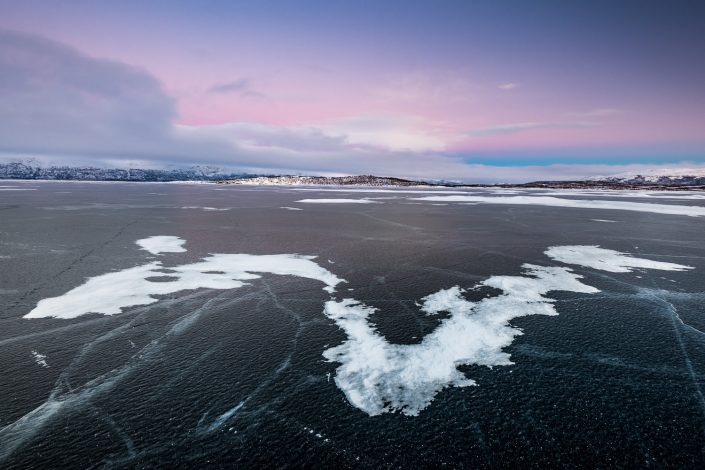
361	180
30	171
661	179
687	180
666	177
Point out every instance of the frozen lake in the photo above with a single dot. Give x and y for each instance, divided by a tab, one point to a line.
206	325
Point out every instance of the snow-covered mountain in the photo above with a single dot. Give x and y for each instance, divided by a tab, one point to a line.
361	180
31	171
664	176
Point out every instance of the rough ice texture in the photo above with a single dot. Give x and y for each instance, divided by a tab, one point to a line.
338	201
670	209
377	376
627	193
375	190
205	208
40	359
607	260
162	244
110	293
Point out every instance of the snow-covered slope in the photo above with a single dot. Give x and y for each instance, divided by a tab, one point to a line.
30	171
663	176
361	180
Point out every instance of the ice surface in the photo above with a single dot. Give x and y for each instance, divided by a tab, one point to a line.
110	293
40	359
206	208
377	376
671	209
338	201
374	190
592	256
162	244
627	193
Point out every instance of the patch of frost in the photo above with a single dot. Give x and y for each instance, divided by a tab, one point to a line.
669	209
378	376
40	359
592	256
162	244
109	293
338	201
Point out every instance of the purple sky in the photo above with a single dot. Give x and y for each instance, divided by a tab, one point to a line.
475	91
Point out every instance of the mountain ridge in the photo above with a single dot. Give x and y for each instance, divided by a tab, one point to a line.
29	171
676	179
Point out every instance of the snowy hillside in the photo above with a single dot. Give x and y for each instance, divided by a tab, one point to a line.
30	171
665	176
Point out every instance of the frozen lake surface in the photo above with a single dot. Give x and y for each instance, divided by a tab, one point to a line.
203	325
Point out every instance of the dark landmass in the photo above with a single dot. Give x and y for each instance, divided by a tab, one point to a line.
25	171
360	180
664	183
30	171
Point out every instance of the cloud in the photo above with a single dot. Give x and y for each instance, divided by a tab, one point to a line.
393	132
256	136
46	84
507	86
241	84
58	101
516	127
252	94
598	112
65	107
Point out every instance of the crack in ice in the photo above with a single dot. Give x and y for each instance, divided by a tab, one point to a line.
110	293
378	376
538	200
375	375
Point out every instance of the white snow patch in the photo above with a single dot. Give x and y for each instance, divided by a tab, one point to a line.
162	244
602	220
670	209
607	260
338	201
377	376
506	191
206	208
40	359
110	293
291	208
630	193
400	191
